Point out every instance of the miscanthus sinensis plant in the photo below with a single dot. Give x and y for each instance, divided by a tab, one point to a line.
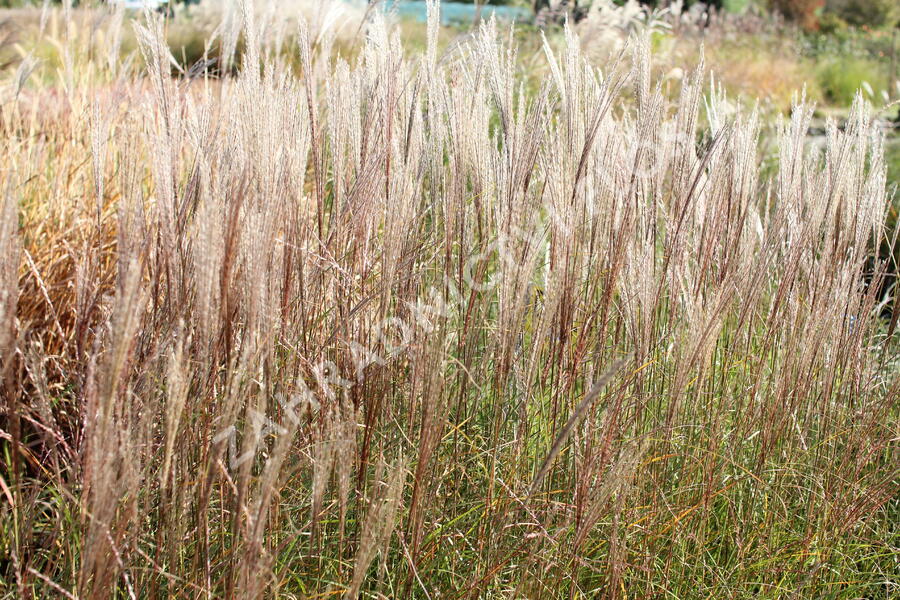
408	325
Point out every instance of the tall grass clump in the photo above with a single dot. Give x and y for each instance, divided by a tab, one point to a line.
403	326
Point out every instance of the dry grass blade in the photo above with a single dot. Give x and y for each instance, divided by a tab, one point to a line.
577	415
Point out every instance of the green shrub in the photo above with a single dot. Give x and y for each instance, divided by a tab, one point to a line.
840	78
832	24
736	6
873	13
892	158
